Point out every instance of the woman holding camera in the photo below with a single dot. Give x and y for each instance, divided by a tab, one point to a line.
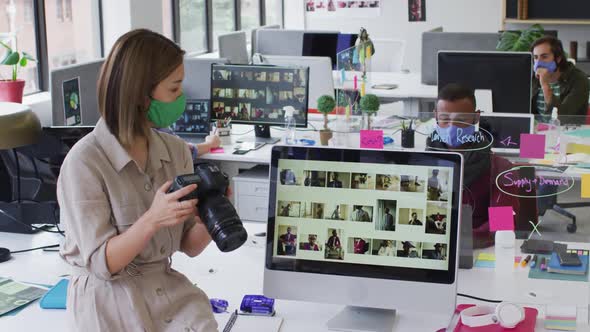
121	225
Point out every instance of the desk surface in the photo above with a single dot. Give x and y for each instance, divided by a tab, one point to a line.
409	85
248	263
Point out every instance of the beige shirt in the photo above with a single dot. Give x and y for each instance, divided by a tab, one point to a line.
101	193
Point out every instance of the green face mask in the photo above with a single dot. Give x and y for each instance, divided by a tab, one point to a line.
163	115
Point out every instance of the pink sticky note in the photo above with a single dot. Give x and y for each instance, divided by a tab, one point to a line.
372	139
217	150
532	146
501	218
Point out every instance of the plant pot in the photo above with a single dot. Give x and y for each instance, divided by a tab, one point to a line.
12	91
408	138
325	136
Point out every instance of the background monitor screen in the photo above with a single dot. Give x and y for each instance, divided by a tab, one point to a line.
257	94
195	119
508	75
327	44
360	213
506	129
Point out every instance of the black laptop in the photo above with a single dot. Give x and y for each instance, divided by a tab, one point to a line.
194	124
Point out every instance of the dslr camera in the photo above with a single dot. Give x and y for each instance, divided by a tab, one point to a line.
216	211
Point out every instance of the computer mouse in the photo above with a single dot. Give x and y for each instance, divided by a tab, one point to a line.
4	255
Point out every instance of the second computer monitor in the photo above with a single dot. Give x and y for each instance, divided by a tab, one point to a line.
258	94
507	74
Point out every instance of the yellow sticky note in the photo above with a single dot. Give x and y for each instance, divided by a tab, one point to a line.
486	257
369	51
585	185
363	89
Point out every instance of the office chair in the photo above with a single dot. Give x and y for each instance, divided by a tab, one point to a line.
233	47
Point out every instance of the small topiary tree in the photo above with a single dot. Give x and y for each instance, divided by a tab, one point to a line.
370	105
326	104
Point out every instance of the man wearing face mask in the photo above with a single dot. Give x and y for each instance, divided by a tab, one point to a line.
456	130
557	82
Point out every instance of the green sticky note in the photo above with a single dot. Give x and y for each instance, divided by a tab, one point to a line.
579	133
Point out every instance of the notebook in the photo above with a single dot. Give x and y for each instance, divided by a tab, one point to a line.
555	267
55	298
248	323
528	325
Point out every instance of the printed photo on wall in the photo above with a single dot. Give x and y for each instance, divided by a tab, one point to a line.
338	180
434	251
287	240
362	213
334	245
289	209
359	246
411	217
409	249
387	182
362	181
310	242
315	179
417	10
386	211
436	218
438	185
335	211
72	103
411	184
383	247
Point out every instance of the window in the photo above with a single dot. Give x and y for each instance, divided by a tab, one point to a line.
167	19
193	25
59	10
23	38
249	16
75	39
224	18
274	12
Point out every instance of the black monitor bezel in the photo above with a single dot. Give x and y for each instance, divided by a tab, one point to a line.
441	159
260	123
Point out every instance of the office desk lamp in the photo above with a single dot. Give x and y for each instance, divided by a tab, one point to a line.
19	127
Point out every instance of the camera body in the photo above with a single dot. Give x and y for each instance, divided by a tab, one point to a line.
216	211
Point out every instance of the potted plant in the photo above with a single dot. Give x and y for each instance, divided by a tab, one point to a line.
326	105
11	90
369	105
520	41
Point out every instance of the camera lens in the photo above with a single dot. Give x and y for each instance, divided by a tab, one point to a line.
223	223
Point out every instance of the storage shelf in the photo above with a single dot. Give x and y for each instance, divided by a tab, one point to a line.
546	21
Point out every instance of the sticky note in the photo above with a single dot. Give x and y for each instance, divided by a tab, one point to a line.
486	257
485	264
585	185
371	139
217	150
532	146
501	218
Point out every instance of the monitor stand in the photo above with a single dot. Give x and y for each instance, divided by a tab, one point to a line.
262	135
359	319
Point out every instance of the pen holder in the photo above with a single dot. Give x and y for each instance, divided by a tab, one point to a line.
223	131
408	138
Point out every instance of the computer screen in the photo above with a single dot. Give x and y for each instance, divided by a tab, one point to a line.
506	129
195	119
508	75
373	217
327	44
257	94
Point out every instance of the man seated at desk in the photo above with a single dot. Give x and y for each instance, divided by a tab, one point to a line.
456	117
557	82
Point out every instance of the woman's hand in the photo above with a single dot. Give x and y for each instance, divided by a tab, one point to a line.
214	141
167	210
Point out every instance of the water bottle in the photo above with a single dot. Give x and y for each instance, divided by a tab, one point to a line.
505	244
289	137
553	132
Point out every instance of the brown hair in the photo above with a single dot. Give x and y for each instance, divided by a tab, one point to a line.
556	49
137	63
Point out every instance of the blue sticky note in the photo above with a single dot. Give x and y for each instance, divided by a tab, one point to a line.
485	264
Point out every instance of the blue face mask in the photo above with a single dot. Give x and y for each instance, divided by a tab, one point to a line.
550	66
453	135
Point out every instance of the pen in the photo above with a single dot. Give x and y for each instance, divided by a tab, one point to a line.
231	321
525	261
534	262
543	266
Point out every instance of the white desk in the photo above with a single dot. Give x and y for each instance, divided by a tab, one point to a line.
240	272
410	89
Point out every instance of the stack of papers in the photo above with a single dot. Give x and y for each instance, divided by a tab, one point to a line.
14	295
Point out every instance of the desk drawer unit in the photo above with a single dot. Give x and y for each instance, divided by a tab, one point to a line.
251	190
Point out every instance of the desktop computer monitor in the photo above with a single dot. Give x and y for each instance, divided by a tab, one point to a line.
321	81
327	44
507	74
363	228
506	130
257	95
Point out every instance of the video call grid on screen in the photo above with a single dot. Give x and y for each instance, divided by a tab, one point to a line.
308	196
195	119
258	94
